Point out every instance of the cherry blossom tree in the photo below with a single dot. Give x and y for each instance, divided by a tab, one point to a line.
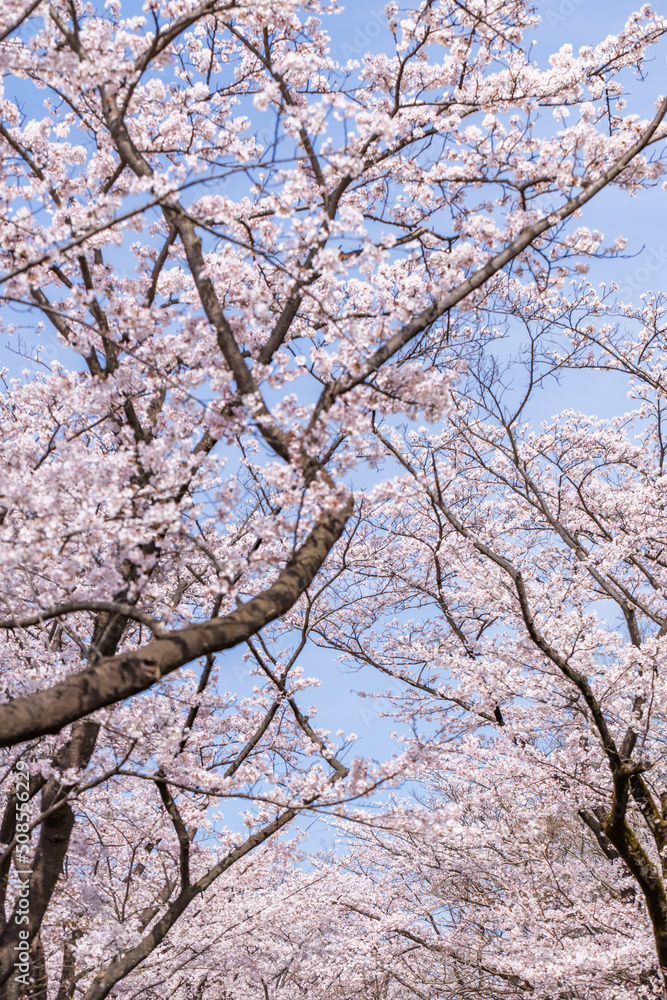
495	891
525	573
259	262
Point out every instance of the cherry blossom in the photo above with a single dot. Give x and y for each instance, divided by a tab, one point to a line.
275	425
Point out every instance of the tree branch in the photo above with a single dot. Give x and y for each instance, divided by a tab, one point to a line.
114	678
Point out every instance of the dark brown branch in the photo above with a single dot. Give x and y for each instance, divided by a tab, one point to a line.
645	873
252	742
114	678
182	834
127	610
19	20
159	264
68	971
595	826
53	843
25	155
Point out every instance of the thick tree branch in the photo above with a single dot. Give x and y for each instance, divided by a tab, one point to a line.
117	677
595	826
52	846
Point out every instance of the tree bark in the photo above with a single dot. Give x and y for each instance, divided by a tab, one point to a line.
114	678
